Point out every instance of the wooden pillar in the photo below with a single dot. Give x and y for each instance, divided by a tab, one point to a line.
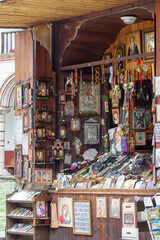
157	38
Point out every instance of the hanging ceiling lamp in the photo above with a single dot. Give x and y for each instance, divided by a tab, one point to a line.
128	19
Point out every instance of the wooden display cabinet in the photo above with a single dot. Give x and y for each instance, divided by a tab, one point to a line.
39	233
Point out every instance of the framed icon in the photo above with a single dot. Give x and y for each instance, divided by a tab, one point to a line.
18	97
26	95
75	124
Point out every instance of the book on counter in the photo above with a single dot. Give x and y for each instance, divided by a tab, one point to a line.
21	212
23	195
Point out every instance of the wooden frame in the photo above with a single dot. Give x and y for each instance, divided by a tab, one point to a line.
89	104
65	212
140	138
115	208
40	132
66	145
75	124
119	52
43	176
26	164
101	207
68	159
62	96
69	108
42	88
18	162
25	121
18	97
30	101
91	131
135	37
26	95
39	156
86	209
139	122
148	43
30	118
115	116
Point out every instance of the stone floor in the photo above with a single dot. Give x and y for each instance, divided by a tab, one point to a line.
6	187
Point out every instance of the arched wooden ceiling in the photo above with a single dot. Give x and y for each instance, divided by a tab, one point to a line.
29	13
95	36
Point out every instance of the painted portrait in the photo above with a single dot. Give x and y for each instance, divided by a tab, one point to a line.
65	212
40	209
115	207
140	138
115	116
133	43
139	119
101	210
19	97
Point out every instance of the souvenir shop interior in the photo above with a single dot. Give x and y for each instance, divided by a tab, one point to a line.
87	129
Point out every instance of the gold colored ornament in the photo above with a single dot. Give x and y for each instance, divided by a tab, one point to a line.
76	80
92	82
81	82
72	84
97	76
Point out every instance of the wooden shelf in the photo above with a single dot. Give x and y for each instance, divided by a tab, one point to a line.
19	201
20	233
20	217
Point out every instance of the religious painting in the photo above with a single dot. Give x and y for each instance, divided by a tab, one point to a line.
91	131
77	146
26	95
43	176
118	53
157	163
68	159
25	168
62	131
44	116
65	212
75	124
148	43
62	96
89	100
133	43
25	121
30	96
40	156
139	119
40	209
140	138
42	90
101	207
115	102
40	132
18	162
69	109
50	132
115	116
115	207
67	145
30	118
18	98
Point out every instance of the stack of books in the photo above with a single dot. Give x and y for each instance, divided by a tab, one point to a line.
21	212
22	227
24	195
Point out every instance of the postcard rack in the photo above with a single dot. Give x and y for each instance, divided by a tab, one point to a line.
20	217
153	215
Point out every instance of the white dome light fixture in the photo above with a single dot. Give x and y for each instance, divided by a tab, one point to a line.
128	19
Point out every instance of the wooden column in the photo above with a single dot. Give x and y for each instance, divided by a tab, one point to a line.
157	38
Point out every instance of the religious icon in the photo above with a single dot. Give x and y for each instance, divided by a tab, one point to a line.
77	146
65	212
30	118
18	100
115	207
75	124
115	116
139	119
18	162
25	168
40	209
68	159
69	108
140	138
133	45
40	132
40	155
148	42
26	95
67	145
91	131
62	96
101	209
25	121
